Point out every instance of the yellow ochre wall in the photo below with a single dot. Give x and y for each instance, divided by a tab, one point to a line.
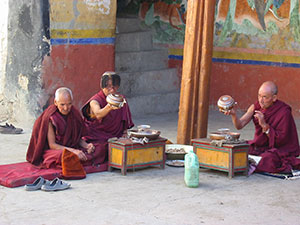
82	46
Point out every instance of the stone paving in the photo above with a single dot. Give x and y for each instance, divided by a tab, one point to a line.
152	195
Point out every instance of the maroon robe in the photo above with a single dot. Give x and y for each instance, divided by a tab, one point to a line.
112	125
280	149
68	132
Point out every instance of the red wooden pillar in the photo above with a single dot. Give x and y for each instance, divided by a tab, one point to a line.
197	56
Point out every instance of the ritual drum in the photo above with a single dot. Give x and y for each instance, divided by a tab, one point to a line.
225	103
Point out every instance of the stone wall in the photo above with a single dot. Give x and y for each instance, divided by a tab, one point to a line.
25	50
47	44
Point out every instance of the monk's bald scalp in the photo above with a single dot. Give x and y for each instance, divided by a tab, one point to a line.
63	91
273	87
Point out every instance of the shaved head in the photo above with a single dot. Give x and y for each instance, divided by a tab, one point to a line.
267	94
271	86
63	91
63	100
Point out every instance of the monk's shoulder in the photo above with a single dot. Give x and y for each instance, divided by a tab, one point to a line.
284	106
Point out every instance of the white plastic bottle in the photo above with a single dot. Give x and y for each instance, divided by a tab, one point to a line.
191	169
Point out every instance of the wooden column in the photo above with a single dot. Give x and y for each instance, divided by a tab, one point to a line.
197	57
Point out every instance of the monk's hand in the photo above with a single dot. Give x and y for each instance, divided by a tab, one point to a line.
90	148
261	118
80	154
125	134
228	112
112	107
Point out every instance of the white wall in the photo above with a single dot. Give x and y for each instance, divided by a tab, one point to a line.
3	40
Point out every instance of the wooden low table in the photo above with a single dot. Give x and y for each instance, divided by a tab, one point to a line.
124	154
231	158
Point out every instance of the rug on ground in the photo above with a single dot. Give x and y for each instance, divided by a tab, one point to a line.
19	174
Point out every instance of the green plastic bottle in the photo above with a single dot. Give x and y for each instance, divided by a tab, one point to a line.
191	170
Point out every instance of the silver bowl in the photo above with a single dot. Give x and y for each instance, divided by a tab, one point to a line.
225	103
115	100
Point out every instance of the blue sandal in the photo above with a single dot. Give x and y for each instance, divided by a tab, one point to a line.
55	185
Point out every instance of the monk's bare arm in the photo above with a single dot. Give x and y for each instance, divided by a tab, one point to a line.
53	145
240	123
99	112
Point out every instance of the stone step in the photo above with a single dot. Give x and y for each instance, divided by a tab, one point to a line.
141	60
134	41
149	82
154	104
125	24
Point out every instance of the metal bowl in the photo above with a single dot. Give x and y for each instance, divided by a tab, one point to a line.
225	103
115	100
150	134
142	128
224	136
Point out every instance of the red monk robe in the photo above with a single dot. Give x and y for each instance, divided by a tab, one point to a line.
112	125
280	149
68	132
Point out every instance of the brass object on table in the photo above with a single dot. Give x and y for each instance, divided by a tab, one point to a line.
224	136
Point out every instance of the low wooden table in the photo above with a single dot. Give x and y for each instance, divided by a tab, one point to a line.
231	158
124	154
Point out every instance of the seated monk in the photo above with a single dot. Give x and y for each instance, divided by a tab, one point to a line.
276	138
58	130
103	120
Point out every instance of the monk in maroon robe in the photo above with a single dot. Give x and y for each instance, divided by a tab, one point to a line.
58	128
276	138
103	120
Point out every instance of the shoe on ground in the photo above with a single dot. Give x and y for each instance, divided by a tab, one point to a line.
10	129
37	184
55	185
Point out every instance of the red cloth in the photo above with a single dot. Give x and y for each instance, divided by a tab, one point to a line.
68	132
112	125
71	166
19	174
280	149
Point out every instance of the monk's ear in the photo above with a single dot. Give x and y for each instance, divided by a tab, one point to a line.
55	102
274	98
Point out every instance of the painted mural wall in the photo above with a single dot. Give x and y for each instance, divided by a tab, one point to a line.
254	41
167	18
82	35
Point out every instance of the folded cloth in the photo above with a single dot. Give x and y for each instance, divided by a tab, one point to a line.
71	166
217	143
220	143
251	169
140	140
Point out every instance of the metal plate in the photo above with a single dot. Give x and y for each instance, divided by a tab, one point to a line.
175	163
150	134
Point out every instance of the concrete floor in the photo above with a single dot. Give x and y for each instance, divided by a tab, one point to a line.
152	196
